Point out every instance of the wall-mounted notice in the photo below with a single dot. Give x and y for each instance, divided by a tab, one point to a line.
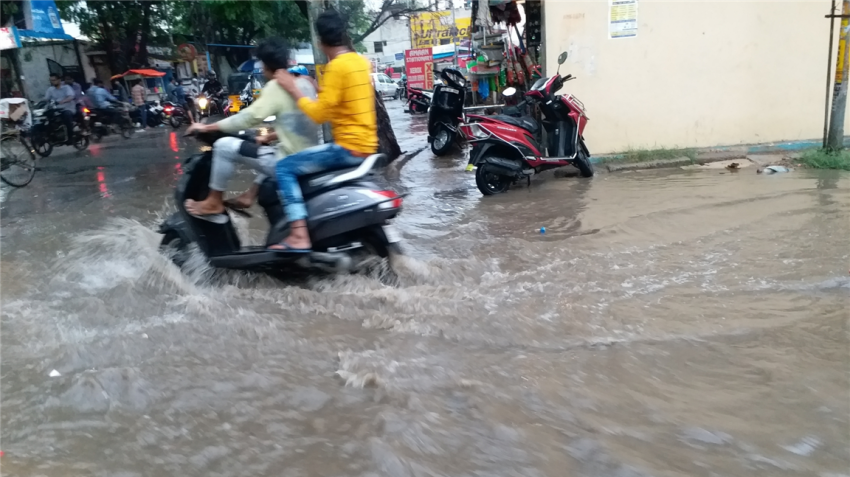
622	18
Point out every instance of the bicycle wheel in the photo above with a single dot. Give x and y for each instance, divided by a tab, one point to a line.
17	161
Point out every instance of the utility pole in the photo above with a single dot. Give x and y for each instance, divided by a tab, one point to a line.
314	9
835	138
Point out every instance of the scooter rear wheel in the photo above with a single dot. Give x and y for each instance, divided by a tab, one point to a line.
490	182
442	141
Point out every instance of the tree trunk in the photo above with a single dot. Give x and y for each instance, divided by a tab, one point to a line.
387	143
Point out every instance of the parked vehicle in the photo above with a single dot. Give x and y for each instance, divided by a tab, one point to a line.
418	101
507	149
446	112
49	130
113	121
349	221
155	117
384	85
175	114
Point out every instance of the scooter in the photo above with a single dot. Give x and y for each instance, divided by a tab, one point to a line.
506	149
349	220
418	101
174	114
446	112
114	121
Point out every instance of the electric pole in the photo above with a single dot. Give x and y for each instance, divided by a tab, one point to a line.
314	9
835	139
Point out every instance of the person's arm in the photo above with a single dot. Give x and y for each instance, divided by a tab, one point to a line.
109	95
322	109
266	105
69	95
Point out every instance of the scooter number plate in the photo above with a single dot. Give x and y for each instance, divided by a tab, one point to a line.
392	234
450	90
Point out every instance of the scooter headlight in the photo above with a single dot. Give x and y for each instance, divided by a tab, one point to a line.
478	132
203	103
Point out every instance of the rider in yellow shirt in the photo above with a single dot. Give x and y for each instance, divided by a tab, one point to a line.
347	101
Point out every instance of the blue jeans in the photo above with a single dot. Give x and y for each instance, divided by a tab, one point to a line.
143	111
309	161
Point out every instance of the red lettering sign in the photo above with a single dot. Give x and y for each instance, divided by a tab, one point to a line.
419	67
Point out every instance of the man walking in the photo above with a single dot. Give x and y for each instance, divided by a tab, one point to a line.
139	95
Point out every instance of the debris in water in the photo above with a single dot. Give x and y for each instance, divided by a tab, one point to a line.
542	230
773	169
54	374
734	166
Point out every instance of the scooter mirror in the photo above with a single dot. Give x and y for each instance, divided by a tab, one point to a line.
562	58
508	92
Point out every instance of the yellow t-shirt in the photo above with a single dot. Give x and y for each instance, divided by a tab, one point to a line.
347	100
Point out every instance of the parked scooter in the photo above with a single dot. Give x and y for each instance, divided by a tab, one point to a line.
418	101
113	121
155	116
49	130
349	221
507	149
446	112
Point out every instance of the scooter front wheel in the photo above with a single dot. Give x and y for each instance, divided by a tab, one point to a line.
583	164
174	248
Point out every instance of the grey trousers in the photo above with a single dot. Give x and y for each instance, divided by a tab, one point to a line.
227	153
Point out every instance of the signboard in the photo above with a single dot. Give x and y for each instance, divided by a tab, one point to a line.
622	18
9	38
399	56
436	28
44	17
419	67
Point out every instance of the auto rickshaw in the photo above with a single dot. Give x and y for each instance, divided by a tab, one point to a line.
240	82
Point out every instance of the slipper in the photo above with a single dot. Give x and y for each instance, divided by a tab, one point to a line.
231	204
219	219
288	249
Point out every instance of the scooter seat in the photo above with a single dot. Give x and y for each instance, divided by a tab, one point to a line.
528	124
313	183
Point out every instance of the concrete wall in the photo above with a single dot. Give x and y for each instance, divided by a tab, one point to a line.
698	74
33	60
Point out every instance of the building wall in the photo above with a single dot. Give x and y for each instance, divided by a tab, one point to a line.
395	33
33	60
698	74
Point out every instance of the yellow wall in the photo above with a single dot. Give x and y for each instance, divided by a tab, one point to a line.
698	74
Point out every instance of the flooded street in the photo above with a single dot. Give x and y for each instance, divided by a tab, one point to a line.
668	323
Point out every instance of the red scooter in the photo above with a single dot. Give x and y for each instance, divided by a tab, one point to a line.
507	149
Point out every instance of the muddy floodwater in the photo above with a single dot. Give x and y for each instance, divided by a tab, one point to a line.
668	323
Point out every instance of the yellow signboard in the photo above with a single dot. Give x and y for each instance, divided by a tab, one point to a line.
839	68
435	28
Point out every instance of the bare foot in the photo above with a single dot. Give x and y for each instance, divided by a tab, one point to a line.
204	207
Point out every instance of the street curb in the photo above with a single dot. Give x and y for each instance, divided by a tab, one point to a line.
716	154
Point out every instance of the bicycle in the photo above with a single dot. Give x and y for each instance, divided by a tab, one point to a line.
17	159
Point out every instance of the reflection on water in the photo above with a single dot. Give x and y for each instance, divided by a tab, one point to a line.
667	323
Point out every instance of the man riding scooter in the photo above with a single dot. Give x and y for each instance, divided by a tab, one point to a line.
347	100
294	132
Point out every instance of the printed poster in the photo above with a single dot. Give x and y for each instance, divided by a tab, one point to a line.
622	18
436	28
419	67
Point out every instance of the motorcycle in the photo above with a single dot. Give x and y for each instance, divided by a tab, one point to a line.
156	115
174	114
507	149
116	121
446	112
401	91
418	101
349	221
49	130
208	105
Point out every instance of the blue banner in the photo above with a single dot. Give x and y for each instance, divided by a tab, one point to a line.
399	56
45	17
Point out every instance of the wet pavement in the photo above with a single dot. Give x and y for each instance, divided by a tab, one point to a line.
668	323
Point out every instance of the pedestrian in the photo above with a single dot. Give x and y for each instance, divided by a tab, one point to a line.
139	102
389	71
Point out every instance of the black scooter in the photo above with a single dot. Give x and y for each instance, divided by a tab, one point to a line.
349	221
446	111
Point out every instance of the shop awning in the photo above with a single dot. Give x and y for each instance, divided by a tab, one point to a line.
143	72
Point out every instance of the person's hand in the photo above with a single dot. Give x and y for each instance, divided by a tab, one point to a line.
196	128
286	80
265	139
